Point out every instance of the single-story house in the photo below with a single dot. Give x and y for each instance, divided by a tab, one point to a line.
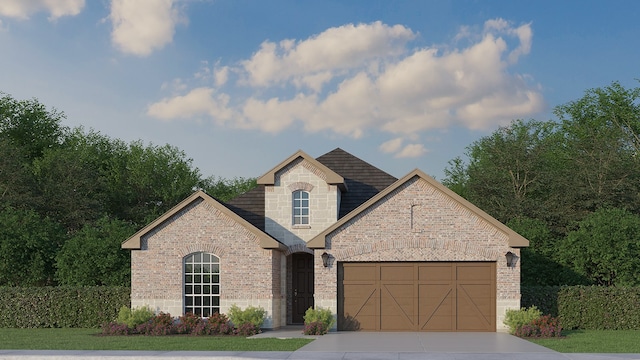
384	254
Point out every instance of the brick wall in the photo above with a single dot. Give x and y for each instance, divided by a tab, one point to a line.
417	222
249	275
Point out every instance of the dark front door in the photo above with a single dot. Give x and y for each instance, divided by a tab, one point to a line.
302	285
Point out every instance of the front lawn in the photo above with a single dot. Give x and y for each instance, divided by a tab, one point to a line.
88	339
594	341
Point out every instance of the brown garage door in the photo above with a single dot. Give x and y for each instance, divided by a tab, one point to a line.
438	296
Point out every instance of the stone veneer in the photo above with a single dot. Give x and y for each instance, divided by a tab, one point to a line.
417	222
249	274
323	203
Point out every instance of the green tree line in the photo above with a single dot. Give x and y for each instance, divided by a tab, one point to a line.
69	197
570	185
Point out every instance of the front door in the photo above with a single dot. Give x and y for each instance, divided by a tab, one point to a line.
302	285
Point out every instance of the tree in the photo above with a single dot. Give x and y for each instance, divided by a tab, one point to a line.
27	124
16	179
69	188
605	247
507	172
457	177
145	181
539	261
28	246
557	174
93	255
227	189
600	150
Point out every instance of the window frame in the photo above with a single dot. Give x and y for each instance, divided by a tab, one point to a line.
201	287
300	214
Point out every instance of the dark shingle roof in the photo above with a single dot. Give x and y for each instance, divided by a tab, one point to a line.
250	206
362	179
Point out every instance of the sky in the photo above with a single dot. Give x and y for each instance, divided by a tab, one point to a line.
241	85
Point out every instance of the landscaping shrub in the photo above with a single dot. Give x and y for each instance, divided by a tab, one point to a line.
544	326
588	307
515	319
247	329
134	317
115	328
315	328
600	308
219	324
190	323
61	306
545	298
153	329
317	321
161	324
251	314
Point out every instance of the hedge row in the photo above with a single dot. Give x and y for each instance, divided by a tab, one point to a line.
61	307
587	307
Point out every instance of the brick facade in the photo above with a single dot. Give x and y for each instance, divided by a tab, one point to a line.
417	220
249	275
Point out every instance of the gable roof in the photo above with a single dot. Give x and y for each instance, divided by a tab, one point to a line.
266	241
331	177
362	179
515	239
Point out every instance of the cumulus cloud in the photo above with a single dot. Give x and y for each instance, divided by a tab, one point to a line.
357	79
198	102
324	55
411	151
22	9
142	26
408	151
391	146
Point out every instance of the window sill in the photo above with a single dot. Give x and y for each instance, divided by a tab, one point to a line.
302	226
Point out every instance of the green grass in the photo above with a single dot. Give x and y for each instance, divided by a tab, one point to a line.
88	339
594	341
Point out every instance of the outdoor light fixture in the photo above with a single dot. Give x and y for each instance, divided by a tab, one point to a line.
325	259
511	259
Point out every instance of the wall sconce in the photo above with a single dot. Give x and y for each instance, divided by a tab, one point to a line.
512	259
325	259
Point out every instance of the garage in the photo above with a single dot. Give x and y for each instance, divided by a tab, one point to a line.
417	296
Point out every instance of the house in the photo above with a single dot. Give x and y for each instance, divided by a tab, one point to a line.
384	254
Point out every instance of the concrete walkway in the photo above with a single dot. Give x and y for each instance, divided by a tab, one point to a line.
352	346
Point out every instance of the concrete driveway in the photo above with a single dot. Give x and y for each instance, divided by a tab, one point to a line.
423	342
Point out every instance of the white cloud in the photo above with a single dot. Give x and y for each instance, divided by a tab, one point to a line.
142	26
357	79
221	75
22	9
408	151
391	146
412	151
275	115
197	103
335	49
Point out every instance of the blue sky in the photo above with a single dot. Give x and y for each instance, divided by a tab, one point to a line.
241	85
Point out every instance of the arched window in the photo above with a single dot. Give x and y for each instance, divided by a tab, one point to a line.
300	207
202	284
